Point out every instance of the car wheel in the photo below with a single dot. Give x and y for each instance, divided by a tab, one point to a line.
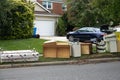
71	38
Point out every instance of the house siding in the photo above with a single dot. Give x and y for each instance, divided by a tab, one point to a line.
40	1
57	8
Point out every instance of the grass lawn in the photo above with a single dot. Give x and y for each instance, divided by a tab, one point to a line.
23	44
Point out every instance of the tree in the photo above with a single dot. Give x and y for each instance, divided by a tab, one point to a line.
63	25
103	9
115	11
93	12
80	13
16	19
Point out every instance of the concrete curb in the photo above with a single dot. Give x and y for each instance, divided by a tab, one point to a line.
80	62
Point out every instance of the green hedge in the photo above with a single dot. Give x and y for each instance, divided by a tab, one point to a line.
63	26
16	19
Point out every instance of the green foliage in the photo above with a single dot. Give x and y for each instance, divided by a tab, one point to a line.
60	30
114	11
103	10
93	12
80	13
63	25
109	10
16	19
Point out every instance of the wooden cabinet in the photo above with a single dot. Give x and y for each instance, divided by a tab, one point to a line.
56	50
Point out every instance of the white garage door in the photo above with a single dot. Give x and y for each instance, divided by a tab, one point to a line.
45	28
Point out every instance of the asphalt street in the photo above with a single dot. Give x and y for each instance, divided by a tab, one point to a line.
99	71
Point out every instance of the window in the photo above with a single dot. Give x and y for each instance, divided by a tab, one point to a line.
44	4
47	5
64	7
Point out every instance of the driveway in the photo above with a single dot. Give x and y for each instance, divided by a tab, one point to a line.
55	38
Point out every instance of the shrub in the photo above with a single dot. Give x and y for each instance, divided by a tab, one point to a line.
63	25
60	27
16	20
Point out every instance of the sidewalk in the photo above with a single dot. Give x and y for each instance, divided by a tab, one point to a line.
78	62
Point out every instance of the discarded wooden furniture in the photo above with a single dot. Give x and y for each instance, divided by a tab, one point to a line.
56	50
86	48
49	49
63	50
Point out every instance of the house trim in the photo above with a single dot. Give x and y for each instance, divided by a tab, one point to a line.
47	15
42	7
54	1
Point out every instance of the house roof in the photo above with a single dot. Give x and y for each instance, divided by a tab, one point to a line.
44	11
42	7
